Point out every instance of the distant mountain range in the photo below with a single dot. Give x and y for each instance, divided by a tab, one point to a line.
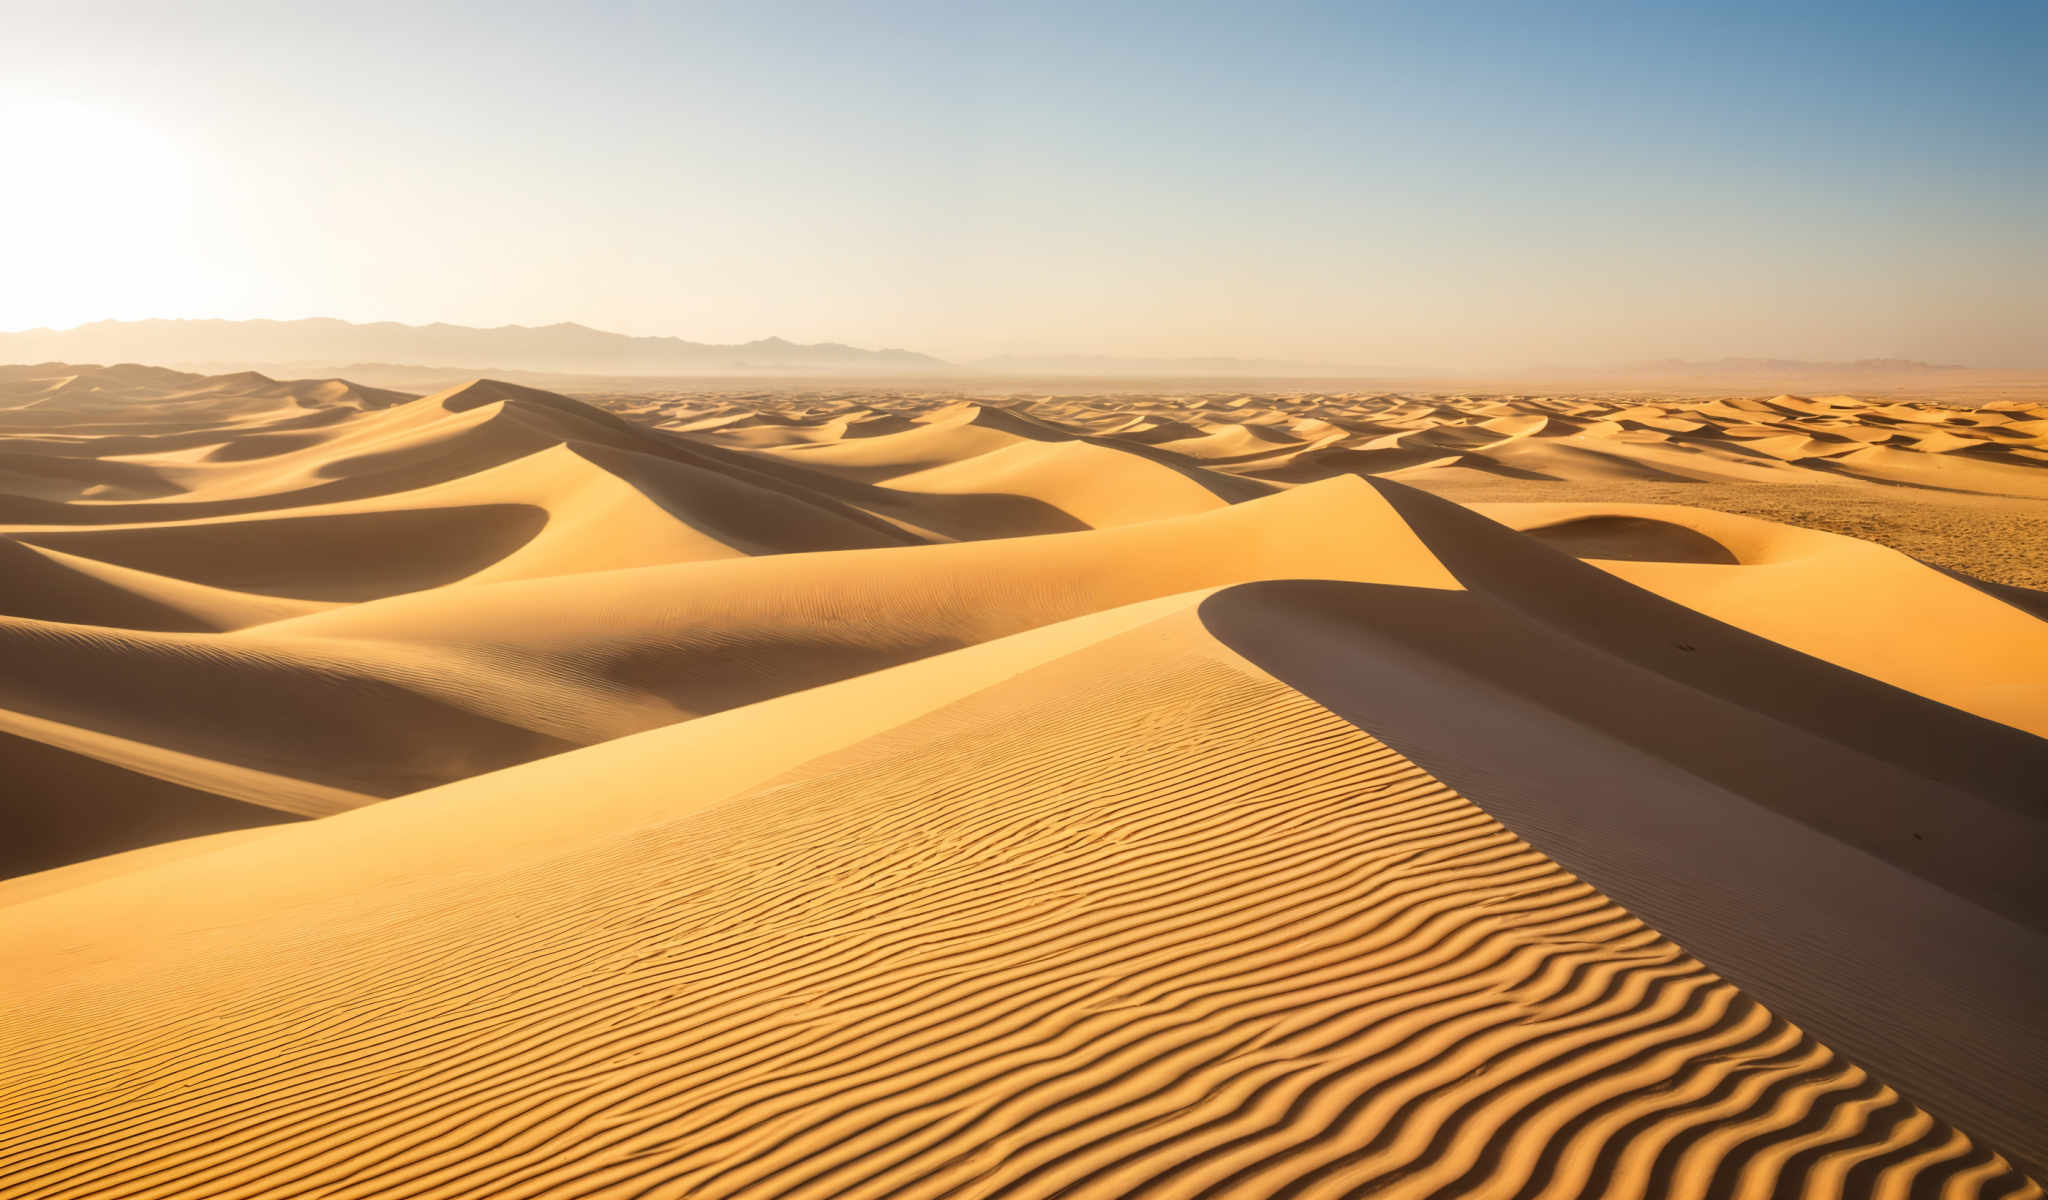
317	345
564	347
1751	366
1110	364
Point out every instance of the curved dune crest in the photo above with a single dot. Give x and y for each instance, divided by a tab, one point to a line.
1095	485
1630	539
709	636
46	584
350	554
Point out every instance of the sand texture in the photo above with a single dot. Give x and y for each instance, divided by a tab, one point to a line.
856	793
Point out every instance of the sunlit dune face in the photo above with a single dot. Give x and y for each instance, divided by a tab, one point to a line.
95	219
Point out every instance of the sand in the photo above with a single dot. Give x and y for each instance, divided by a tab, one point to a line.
855	793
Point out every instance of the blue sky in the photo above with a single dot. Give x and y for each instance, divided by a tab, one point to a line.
1441	184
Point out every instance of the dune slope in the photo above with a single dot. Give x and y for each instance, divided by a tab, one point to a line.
1199	934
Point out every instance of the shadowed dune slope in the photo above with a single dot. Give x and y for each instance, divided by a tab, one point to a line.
64	807
48	585
1853	603
1872	922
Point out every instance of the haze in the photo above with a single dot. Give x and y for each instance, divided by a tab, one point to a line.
1431	185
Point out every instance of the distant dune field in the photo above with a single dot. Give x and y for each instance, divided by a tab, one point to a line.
867	792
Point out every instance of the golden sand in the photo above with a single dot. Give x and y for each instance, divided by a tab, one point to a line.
497	794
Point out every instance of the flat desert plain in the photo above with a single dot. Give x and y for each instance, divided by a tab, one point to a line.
854	793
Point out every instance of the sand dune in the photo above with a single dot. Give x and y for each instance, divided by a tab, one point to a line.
871	794
1840	599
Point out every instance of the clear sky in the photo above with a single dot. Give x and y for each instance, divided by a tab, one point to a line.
1446	184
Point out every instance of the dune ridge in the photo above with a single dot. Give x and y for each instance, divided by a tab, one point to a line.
874	793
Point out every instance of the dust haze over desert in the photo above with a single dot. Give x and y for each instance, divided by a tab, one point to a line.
1086	601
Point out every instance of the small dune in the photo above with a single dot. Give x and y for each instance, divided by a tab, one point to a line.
1631	539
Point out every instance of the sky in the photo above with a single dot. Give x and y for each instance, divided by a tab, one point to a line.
1431	184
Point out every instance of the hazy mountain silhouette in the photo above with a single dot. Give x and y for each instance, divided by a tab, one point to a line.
1739	366
562	347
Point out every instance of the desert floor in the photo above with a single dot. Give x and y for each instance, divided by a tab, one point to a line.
852	792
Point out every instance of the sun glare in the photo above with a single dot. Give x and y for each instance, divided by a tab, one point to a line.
97	215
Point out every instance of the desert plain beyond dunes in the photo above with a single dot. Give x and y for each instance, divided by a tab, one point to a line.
856	793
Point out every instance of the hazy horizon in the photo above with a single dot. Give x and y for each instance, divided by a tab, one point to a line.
1490	187
362	349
